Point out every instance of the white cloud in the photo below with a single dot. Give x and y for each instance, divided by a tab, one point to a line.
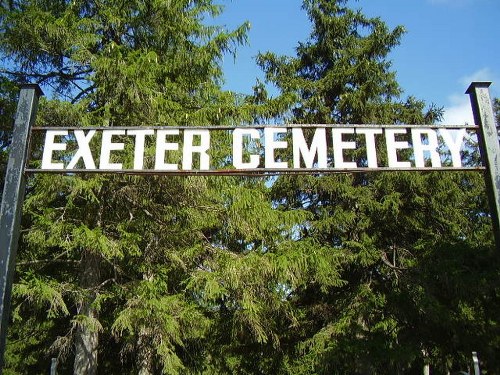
484	74
459	111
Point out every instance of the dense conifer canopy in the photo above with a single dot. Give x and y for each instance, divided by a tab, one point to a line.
339	274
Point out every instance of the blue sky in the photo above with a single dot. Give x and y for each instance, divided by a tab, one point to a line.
448	44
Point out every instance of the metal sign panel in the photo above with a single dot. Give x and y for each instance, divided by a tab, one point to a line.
251	150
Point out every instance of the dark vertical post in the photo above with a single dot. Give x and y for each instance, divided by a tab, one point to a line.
489	147
12	201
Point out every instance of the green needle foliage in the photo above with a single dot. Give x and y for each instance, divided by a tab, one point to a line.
106	260
393	239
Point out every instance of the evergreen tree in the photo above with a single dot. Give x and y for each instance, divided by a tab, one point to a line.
107	259
398	300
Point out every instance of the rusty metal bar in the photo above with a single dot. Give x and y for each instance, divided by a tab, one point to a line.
284	126
249	172
489	147
12	202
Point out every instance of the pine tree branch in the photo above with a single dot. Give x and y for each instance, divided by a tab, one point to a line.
46	261
393	266
42	77
104	283
82	92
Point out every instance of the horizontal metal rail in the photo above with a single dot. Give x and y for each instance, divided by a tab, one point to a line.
231	127
253	171
249	172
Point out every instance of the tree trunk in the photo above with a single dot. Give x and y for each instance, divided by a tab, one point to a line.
87	335
144	344
145	355
427	366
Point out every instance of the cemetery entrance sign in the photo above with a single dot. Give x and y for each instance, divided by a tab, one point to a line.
251	149
222	150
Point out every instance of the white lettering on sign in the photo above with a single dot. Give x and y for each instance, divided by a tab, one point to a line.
238	136
339	145
83	151
272	143
393	146
431	147
371	148
50	147
259	148
189	149
140	141
454	145
318	148
107	145
162	146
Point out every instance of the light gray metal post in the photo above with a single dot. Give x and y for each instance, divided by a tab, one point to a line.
53	366
475	360
12	202
489	147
